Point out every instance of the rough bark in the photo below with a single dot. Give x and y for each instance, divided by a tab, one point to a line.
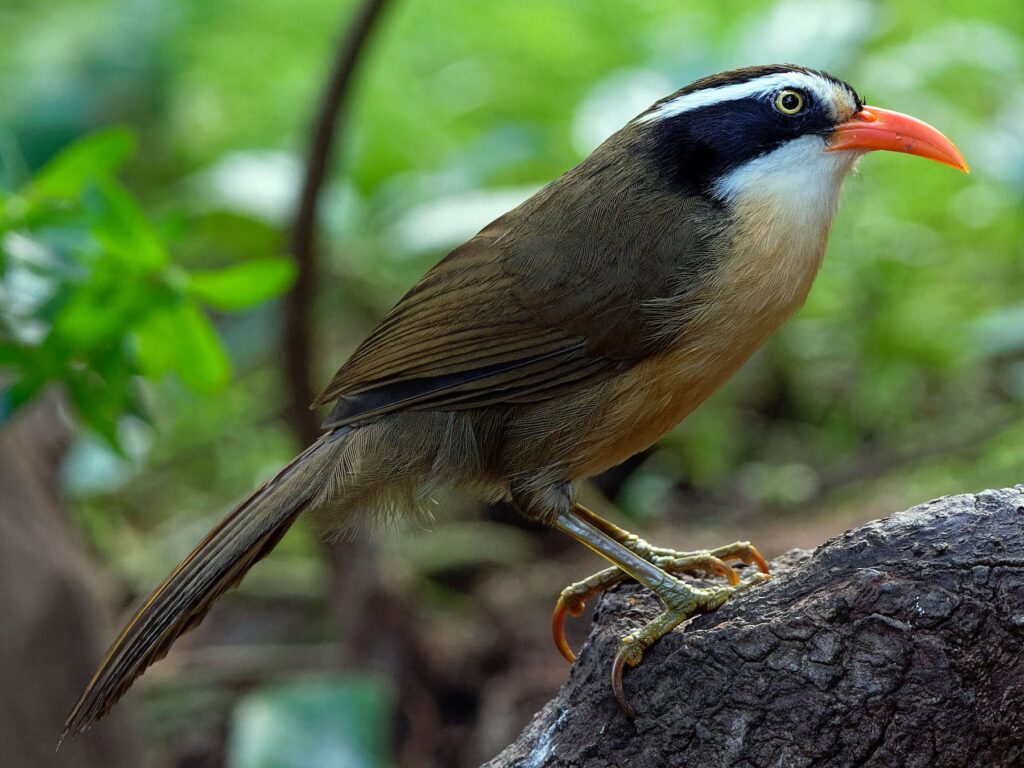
50	626
896	644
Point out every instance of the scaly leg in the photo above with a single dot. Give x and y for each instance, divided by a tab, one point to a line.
573	598
743	551
681	600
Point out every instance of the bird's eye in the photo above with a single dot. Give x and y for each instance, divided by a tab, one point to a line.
789	102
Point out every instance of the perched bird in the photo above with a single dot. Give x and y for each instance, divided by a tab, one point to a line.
566	336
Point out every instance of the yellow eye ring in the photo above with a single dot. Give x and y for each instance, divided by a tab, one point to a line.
789	102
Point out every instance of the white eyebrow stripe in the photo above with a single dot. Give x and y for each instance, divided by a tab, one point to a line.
759	85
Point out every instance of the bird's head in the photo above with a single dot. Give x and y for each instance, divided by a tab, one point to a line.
782	131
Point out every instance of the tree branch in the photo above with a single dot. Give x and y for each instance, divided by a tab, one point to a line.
898	643
300	301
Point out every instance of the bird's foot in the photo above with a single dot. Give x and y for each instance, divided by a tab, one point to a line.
713	562
682	602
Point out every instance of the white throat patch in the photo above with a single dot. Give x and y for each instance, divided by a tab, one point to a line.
824	91
783	203
799	176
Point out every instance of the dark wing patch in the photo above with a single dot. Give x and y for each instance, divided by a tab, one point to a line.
518	381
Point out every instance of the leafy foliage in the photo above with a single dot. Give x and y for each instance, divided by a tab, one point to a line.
92	300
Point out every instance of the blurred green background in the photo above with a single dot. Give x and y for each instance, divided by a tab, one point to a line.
150	157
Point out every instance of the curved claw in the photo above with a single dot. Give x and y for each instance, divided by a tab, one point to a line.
622	659
746	553
758	559
722	568
573	607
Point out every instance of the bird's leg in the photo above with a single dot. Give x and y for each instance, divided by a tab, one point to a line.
740	551
574	598
682	601
624	537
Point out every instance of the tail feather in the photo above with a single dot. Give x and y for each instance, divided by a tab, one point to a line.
216	565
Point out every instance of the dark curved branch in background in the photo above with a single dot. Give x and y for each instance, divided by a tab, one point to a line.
299	303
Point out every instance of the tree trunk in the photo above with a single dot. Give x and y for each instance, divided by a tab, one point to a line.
896	644
49	625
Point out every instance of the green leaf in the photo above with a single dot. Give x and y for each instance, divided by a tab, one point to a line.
101	394
124	230
100	311
87	160
153	354
244	285
199	358
94	417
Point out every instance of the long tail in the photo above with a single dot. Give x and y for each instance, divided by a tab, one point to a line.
215	566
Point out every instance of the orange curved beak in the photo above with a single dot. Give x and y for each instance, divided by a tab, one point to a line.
875	128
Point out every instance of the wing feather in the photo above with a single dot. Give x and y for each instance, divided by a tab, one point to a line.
554	296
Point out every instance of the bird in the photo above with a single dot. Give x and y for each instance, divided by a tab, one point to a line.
566	336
